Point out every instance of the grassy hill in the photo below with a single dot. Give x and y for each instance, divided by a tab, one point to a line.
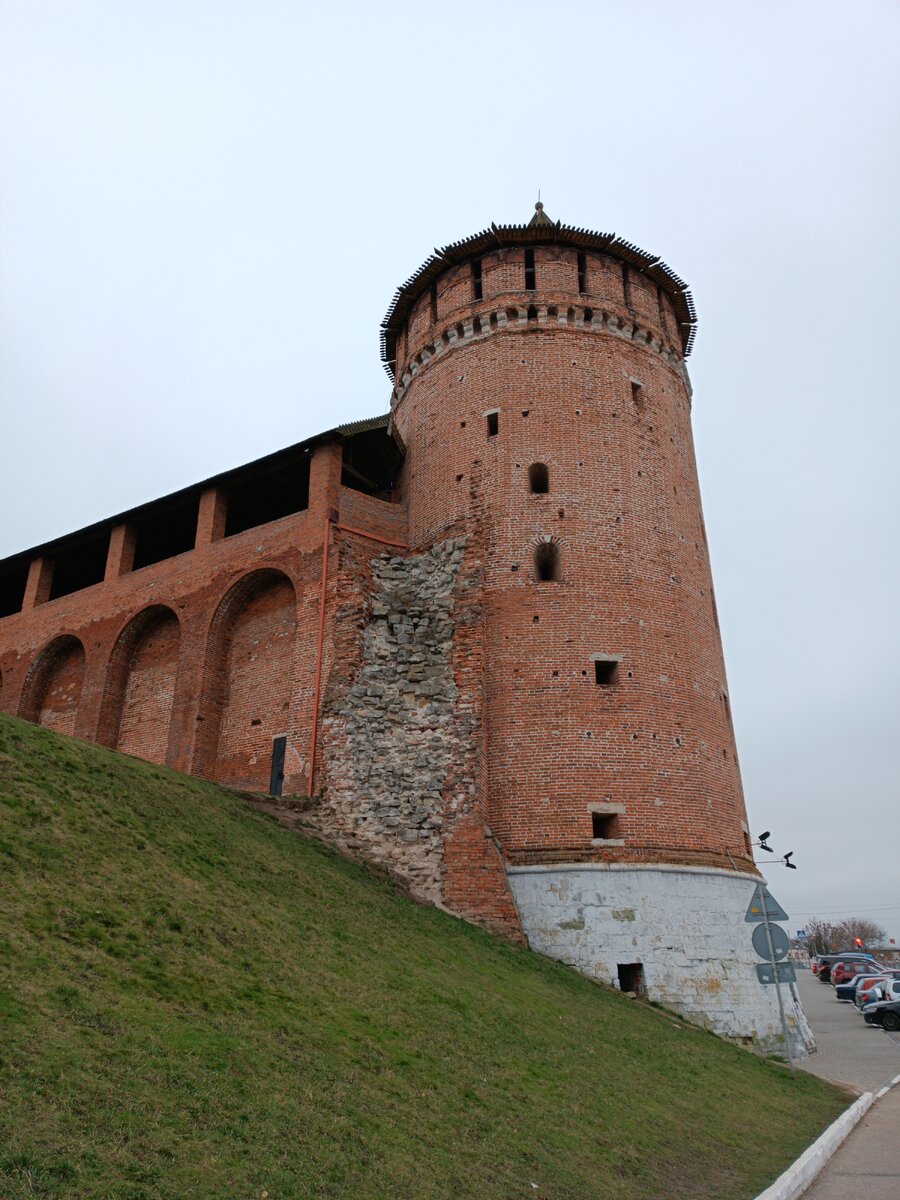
196	1002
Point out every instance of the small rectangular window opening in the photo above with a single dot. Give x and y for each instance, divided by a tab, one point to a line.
476	278
529	271
631	978
493	424
605	671
582	273
605	826
637	394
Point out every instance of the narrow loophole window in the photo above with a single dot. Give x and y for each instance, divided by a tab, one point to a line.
538	479
476	279
626	284
637	394
582	273
434	302
529	271
546	562
493	424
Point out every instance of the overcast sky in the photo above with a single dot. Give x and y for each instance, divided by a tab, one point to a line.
205	209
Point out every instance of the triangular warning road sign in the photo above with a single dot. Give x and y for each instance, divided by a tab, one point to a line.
774	911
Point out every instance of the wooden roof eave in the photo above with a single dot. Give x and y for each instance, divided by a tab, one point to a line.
506	236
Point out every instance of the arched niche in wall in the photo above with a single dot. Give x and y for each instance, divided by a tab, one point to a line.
53	685
248	680
139	693
547	561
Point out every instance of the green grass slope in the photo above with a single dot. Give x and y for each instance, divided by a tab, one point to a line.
196	1002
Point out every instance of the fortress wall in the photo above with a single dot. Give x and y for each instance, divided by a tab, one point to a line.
379	517
257	674
58	686
231	667
149	691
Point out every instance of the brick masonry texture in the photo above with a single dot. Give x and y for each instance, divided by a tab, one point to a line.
150	689
545	519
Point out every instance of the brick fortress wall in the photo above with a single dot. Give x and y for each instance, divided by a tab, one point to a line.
202	660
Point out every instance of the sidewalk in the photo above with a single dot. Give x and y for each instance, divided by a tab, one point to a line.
868	1163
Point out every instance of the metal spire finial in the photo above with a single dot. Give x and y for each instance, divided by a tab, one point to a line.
540	217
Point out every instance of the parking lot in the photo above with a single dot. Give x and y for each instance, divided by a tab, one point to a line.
867	1057
849	1051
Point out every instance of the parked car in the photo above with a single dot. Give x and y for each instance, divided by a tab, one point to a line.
878	992
827	961
844	970
886	1014
849	989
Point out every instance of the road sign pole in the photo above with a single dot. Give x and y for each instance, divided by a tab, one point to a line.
784	1027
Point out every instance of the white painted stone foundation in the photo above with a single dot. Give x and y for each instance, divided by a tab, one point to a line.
684	925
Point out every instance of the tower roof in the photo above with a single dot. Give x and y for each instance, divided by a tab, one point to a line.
540	230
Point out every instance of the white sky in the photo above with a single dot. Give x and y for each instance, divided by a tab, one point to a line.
205	209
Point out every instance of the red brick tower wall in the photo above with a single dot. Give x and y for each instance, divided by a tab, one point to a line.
590	384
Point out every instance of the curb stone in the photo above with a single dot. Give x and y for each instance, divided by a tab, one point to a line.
801	1173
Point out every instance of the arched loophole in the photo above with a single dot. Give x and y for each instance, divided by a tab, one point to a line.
546	562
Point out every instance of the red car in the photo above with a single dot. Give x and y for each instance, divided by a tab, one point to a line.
844	966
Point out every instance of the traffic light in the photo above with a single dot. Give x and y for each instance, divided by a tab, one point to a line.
858	943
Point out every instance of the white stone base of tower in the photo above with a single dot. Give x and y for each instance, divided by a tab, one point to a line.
683	926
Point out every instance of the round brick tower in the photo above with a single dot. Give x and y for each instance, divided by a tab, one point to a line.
542	395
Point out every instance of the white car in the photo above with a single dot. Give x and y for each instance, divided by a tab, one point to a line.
885	992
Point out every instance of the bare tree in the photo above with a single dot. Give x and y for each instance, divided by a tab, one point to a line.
830	937
870	933
821	936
